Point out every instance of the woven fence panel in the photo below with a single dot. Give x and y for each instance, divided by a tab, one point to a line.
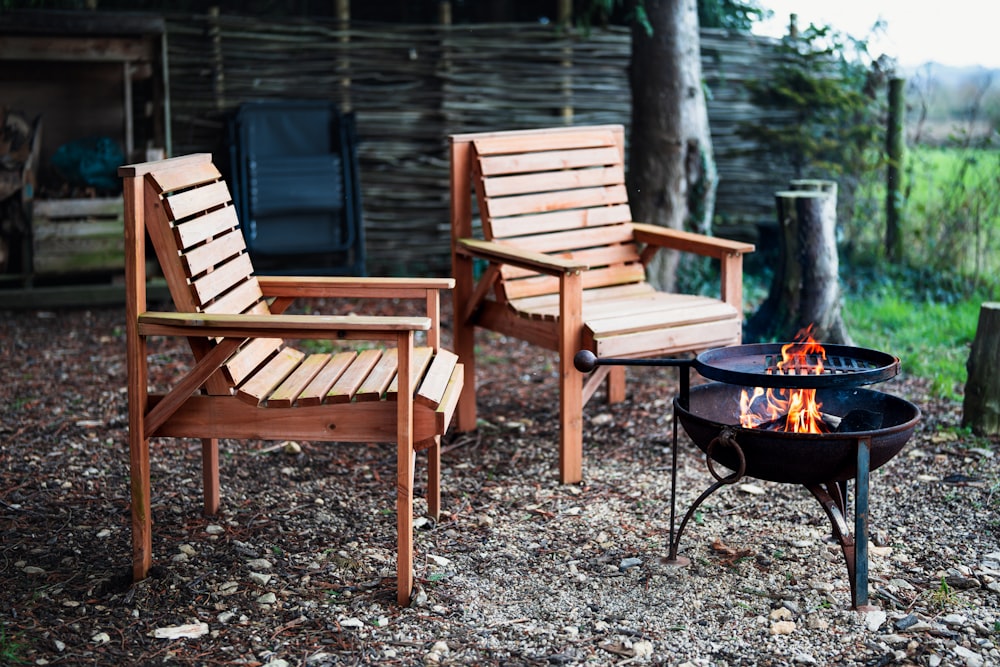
411	86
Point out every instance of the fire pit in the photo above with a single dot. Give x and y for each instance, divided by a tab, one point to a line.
790	413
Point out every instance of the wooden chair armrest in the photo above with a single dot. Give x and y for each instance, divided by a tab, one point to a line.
326	327
525	259
337	287
709	246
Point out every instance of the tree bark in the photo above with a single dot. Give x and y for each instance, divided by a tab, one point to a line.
672	175
805	289
981	409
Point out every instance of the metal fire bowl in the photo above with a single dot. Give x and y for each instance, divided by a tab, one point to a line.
799	458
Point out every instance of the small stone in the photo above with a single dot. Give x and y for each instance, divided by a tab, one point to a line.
214	529
484	521
823	586
933	660
780	614
628	563
260	578
954	619
189	631
59	646
816	622
280	662
259	564
101	638
355	623
31	569
225	617
290	447
267	598
971	658
642	649
187	549
906	622
104	532
752	489
440	561
804	659
782	628
874	620
602	419
179	558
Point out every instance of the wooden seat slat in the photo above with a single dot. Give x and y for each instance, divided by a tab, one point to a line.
543	161
534	286
346	386
540	202
223	278
249	358
419	362
557	221
256	388
658	319
215	252
503	186
317	389
192	232
436	381
288	391
378	380
570	241
542	140
186	176
246	297
197	200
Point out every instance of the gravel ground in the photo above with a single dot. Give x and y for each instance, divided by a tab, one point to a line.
298	569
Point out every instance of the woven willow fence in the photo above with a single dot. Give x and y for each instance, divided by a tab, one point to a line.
411	86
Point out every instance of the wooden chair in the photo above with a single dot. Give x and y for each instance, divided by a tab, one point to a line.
563	265
245	382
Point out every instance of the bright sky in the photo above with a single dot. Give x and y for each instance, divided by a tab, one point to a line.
955	32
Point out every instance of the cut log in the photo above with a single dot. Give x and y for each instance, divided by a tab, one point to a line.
805	288
981	409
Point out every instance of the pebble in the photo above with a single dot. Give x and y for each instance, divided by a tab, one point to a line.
782	628
874	620
267	598
628	563
214	529
780	614
970	658
280	662
260	578
259	564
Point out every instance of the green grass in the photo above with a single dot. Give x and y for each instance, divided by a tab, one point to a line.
10	648
931	339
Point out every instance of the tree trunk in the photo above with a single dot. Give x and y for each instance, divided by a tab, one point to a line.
805	289
895	145
672	176
981	409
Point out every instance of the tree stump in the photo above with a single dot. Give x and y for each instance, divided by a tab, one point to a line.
981	409
805	288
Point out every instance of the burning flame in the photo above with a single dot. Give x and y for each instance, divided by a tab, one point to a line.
792	410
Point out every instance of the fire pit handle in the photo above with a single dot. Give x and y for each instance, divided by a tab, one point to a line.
726	438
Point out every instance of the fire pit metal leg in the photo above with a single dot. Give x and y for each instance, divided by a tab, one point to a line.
861	523
832	496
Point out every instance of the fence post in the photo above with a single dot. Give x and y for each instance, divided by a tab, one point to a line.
895	144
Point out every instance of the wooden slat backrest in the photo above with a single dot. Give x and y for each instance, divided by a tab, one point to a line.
194	229
562	194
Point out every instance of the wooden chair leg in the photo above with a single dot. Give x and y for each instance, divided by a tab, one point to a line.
404	523
142	517
434	479
616	384
210	474
570	423
465	343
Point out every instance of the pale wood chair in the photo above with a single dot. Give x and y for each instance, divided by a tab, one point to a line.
563	265
245	382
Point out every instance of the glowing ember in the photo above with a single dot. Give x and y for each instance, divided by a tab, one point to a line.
792	410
